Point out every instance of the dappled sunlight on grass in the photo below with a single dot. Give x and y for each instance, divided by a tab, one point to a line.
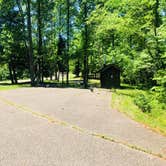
94	83
10	86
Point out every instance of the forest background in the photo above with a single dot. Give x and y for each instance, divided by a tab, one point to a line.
42	38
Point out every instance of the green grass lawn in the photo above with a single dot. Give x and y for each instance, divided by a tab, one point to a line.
94	83
123	100
73	81
10	86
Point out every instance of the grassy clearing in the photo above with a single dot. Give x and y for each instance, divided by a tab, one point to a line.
123	100
75	82
94	83
11	87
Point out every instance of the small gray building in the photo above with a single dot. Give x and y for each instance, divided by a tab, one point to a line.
110	76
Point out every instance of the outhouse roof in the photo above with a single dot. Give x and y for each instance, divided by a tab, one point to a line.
106	67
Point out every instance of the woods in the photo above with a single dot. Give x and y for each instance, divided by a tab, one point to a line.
40	38
85	79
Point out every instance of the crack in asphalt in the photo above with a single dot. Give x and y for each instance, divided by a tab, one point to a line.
56	121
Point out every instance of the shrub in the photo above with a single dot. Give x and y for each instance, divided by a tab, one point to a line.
4	73
143	103
160	77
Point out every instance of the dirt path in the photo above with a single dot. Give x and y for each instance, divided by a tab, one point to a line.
80	111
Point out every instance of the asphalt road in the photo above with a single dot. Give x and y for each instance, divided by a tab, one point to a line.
72	127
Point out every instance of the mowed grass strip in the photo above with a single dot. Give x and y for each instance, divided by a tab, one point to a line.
11	87
8	87
123	101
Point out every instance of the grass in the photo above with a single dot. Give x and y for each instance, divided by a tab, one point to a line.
75	82
6	86
94	83
123	100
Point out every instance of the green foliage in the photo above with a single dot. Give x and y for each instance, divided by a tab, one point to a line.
123	100
160	77
129	33
4	73
143	103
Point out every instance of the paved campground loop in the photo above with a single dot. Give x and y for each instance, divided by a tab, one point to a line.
87	113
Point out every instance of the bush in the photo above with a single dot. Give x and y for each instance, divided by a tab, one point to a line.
4	72
160	77
143	103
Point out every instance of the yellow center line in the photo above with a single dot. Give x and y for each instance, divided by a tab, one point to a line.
78	129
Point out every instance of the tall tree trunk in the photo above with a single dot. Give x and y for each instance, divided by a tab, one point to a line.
23	24
113	40
39	18
68	36
156	25
14	75
10	72
157	17
30	44
85	47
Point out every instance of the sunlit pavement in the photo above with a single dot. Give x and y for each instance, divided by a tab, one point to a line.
44	126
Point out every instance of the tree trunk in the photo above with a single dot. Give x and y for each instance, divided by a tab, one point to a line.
11	74
56	75
68	36
156	25
23	24
30	44
14	75
39	19
85	47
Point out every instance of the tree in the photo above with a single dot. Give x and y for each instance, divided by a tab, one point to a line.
68	37
30	43
40	56
83	35
85	45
